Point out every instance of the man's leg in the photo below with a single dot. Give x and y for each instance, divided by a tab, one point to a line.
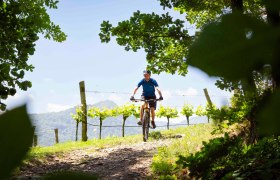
141	115
153	113
153	117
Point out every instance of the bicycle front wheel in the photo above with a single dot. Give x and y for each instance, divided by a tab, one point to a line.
146	124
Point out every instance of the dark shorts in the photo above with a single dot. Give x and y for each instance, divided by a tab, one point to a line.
152	104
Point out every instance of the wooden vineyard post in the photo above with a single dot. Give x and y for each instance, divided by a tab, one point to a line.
84	110
207	96
208	100
56	136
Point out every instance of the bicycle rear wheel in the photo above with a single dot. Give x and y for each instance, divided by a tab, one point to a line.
146	124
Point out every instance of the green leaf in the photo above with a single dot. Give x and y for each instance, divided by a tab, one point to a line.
16	135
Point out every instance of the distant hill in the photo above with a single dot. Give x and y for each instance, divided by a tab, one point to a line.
46	123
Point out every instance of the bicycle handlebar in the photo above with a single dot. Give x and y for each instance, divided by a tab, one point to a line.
144	100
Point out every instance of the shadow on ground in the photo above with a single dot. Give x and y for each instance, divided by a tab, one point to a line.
123	163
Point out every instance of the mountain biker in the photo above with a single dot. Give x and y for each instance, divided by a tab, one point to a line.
149	86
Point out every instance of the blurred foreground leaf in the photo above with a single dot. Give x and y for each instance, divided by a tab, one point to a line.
16	135
268	117
234	47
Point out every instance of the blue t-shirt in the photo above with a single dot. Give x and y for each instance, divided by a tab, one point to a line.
148	87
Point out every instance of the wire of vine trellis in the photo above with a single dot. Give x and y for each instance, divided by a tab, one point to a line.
174	95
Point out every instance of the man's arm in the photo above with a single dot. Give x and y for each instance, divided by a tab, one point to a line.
134	91
159	91
157	88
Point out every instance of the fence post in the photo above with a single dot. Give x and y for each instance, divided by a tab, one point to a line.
207	96
84	109
35	137
56	136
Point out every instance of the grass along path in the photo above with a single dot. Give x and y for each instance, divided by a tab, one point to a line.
111	158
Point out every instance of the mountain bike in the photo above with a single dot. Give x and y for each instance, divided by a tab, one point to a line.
146	117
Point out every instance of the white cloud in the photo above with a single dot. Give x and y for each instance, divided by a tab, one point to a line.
57	107
189	92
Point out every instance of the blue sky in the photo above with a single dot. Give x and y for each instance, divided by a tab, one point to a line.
104	67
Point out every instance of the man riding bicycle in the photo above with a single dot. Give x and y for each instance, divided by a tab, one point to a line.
149	85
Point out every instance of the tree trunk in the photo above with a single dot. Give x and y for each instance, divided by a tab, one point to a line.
77	129
100	128
188	120
252	131
208	119
237	5
273	17
168	123
123	124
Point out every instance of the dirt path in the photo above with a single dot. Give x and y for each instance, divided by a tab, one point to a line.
120	162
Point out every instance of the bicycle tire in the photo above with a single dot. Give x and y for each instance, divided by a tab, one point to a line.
145	126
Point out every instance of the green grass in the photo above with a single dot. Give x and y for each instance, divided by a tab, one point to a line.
164	162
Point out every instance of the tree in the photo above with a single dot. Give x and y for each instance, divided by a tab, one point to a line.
21	23
167	112
201	111
187	111
167	41
164	40
207	11
102	114
78	118
126	111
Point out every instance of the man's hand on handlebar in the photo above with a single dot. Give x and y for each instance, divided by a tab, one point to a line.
161	98
132	98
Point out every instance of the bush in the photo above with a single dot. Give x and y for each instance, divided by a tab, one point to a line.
160	164
155	135
229	158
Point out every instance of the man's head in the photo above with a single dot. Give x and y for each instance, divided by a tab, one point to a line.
147	74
